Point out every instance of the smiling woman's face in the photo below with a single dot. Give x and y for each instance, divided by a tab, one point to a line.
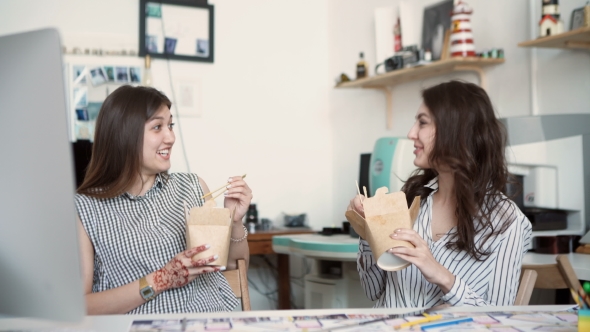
422	133
158	139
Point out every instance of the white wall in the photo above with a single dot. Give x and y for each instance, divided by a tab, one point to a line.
264	104
268	106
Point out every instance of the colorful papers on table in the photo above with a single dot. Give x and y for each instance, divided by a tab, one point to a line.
490	321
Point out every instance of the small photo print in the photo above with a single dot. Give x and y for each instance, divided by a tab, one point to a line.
83	130
79	74
122	74
151	44
82	114
93	110
110	72
170	45
81	97
203	47
135	74
97	76
153	10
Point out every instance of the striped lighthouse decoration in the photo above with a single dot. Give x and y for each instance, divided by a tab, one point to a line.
461	36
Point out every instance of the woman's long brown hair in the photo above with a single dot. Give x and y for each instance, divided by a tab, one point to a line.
118	140
470	141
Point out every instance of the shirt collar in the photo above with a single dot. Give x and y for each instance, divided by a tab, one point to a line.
433	184
158	184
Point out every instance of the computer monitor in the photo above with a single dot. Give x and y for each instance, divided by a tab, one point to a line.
40	273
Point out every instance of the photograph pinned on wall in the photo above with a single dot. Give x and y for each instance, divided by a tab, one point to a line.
437	20
97	76
170	45
93	109
202	47
151	44
122	74
135	74
82	114
79	74
110	72
85	130
80	97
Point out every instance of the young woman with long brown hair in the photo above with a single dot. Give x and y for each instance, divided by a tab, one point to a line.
131	215
469	237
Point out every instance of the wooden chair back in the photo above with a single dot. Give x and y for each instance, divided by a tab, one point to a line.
238	281
560	275
525	289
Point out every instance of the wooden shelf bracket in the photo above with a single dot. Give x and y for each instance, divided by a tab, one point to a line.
389	105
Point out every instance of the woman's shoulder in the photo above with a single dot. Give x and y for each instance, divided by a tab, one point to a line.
182	178
85	199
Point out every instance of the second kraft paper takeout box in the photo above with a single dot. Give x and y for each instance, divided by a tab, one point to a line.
384	213
208	224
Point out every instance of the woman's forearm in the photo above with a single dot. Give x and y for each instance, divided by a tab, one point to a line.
444	280
118	300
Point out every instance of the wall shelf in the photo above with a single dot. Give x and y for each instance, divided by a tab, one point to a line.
385	81
575	39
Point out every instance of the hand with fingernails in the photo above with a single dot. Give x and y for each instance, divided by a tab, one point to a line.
182	269
422	258
238	196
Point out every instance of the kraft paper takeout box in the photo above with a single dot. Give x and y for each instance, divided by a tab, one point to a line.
209	225
385	213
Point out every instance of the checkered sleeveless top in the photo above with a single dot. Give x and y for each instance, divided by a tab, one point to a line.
136	235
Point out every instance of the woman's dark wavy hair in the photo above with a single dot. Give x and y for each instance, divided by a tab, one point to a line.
470	141
118	140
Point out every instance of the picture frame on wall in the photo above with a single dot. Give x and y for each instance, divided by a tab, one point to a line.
176	29
579	18
436	21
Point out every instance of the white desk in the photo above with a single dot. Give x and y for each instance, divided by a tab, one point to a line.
344	248
121	323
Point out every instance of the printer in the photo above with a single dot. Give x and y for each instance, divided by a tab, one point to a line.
550	155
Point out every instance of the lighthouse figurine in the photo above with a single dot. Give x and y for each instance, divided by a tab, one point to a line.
550	23
461	35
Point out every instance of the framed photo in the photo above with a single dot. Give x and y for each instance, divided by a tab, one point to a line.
176	29
437	20
578	19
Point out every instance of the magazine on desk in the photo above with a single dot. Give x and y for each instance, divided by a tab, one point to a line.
490	321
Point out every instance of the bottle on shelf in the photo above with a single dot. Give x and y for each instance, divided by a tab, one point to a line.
397	36
361	67
147	72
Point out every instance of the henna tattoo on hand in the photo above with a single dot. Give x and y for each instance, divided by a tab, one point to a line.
173	275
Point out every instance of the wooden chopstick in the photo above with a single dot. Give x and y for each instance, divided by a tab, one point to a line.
359	191
218	189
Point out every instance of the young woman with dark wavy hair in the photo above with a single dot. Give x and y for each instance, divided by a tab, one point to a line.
469	237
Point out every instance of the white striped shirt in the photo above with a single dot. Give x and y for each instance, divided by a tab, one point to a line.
133	236
493	281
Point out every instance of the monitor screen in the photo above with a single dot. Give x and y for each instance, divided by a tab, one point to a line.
40	272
